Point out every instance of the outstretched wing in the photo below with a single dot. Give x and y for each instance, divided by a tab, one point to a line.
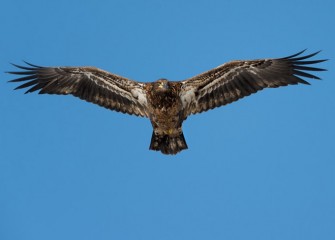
88	83
237	79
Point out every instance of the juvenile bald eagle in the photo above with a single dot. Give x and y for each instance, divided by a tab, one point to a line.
168	103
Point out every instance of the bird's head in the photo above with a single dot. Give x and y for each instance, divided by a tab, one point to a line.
162	85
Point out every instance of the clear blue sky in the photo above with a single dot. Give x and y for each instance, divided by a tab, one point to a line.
260	168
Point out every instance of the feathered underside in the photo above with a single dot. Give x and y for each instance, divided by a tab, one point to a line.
214	88
168	104
237	79
88	83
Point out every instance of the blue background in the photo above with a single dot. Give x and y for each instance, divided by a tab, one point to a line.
260	168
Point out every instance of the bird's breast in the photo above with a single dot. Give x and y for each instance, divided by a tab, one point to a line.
165	111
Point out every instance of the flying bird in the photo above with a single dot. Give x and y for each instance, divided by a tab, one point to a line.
168	103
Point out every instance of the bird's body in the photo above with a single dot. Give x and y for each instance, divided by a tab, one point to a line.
168	103
166	116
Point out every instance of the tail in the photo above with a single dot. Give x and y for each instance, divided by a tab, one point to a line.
167	144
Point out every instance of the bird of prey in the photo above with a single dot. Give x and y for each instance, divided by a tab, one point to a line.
168	103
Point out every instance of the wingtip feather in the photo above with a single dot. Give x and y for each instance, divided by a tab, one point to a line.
32	65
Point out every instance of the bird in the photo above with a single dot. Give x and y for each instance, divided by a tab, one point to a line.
168	103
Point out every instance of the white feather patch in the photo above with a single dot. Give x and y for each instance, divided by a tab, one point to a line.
140	95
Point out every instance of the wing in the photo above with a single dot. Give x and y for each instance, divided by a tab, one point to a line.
237	79
88	83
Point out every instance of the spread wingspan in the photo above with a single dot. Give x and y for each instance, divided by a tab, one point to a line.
166	103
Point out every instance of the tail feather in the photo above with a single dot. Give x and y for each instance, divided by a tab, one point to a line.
167	144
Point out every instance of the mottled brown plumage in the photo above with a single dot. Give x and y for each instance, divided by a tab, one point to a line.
166	116
166	103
